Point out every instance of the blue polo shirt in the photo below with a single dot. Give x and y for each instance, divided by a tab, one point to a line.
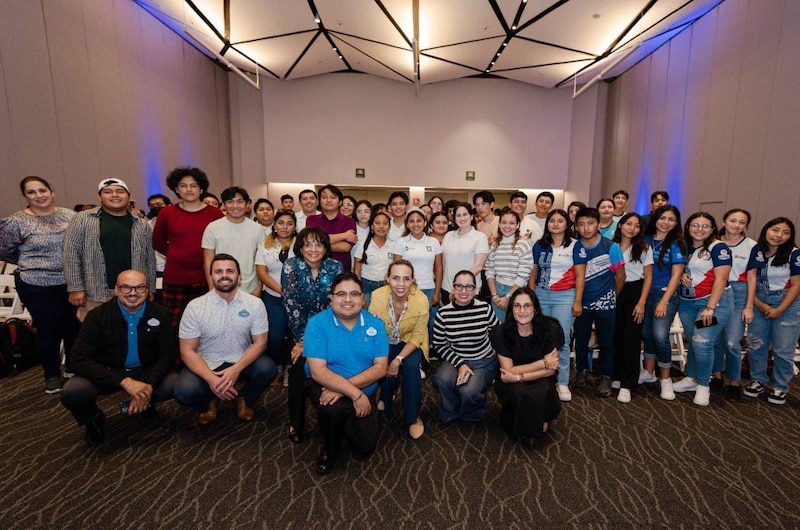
132	319
347	351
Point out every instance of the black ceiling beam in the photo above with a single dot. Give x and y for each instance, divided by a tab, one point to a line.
541	15
340	34
376	60
324	31
477	70
552	45
270	37
499	14
302	54
393	21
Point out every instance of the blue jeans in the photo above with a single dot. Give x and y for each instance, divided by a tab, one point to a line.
411	381
700	348
558	304
431	311
604	327
728	350
781	333
655	331
502	290
278	348
466	401
192	390
367	286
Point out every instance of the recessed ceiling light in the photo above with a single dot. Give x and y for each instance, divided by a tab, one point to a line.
505	44
317	20
513	27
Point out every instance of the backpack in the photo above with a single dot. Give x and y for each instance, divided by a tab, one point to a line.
17	346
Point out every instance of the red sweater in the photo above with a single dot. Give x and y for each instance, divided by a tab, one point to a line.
178	234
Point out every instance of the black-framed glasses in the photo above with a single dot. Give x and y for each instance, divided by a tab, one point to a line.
342	295
464	287
127	289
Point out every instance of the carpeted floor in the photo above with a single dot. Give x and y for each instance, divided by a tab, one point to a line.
647	464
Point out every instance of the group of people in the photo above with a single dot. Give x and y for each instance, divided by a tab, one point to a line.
351	299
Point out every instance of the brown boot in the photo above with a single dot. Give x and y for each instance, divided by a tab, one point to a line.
204	418
244	412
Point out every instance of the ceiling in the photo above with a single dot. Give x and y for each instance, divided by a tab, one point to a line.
542	42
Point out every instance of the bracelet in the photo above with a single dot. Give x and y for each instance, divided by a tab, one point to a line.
359	397
401	359
494	295
519	378
709	309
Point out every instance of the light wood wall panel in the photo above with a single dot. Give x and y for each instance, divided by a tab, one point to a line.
713	115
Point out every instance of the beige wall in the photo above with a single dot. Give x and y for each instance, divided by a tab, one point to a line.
713	116
95	88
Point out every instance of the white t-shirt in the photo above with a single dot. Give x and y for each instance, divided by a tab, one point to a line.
240	240
395	232
378	260
458	253
269	257
634	270
530	229
301	220
422	254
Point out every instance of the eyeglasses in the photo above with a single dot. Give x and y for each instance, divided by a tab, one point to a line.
464	287
526	306
342	295
127	289
698	226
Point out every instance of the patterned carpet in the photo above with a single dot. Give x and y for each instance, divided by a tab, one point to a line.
647	464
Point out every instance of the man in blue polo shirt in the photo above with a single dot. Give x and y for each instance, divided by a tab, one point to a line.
347	352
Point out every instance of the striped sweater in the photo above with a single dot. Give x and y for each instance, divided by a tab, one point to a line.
461	333
510	264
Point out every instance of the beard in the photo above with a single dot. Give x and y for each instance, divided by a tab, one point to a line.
225	287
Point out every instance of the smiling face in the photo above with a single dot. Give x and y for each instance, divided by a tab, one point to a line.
619	202
777	235
347	207
557	225
398	207
329	202
666	223
699	230
630	228
400	278
415	222
284	226
133	281
736	223
313	252
265	214
543	205
519	205
114	199
436	204
463	218
523	309
658	202
346	300
308	202
38	195
464	289
606	209
509	224
440	225
224	276
236	208
380	226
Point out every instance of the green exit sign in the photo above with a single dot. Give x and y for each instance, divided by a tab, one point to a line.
361	173
470	175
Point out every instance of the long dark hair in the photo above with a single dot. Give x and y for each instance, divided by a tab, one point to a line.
731	212
711	237
784	251
371	234
674	236
545	328
547	237
638	243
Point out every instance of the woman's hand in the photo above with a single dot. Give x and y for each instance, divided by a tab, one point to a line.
661	309
394	367
297	352
552	360
638	313
577	309
463	370
507	376
747	315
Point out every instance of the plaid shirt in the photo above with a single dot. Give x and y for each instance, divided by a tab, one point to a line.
84	263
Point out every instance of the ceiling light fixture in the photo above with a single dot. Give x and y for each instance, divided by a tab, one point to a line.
317	20
513	27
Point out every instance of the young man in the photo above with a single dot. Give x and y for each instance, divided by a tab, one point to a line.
544	201
528	228
620	199
223	335
483	201
341	229
657	200
156	203
178	235
287	202
347	352
308	203
237	235
599	278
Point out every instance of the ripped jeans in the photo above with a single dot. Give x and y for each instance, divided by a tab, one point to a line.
781	333
701	340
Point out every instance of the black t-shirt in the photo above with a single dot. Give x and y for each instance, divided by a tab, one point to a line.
524	350
115	240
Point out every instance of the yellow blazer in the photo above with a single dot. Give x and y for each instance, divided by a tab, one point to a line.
414	324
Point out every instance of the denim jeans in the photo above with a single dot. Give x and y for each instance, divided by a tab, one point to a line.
781	333
466	401
728	350
558	304
502	290
367	286
411	381
431	312
700	341
604	327
655	331
278	348
192	391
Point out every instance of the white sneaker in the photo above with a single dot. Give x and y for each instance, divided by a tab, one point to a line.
686	384
422	374
701	395
563	393
666	389
615	384
624	395
646	377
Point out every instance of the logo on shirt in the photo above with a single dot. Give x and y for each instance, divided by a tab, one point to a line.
244	313
582	253
760	257
371	331
724	254
153	322
429	248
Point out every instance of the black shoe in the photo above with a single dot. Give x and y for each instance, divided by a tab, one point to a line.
717	385
324	463
293	436
94	429
733	393
580	379
604	388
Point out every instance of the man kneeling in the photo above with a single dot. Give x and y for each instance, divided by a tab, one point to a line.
347	352
223	335
125	344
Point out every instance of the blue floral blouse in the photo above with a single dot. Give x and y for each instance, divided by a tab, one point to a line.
303	295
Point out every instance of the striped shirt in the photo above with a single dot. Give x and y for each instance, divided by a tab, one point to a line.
509	263
84	261
461	333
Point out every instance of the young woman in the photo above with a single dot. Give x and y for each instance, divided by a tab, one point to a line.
305	288
706	302
509	264
553	277
362	215
404	311
664	237
463	249
461	337
572	209
398	204
277	248
747	258
527	346
631	302
264	213
424	253
436	203
33	239
776	321
348	206
608	226
438	226
374	255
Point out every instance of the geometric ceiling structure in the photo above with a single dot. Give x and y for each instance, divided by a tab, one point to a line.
548	43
